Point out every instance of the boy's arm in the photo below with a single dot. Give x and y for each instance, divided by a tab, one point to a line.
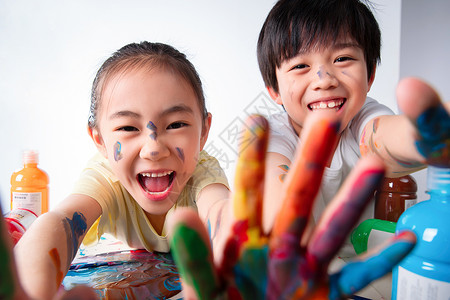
277	166
45	252
420	136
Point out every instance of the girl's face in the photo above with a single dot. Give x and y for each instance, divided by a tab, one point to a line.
333	78
150	129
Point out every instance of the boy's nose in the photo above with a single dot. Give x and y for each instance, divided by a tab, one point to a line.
324	79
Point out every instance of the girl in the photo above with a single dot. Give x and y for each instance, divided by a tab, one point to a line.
149	123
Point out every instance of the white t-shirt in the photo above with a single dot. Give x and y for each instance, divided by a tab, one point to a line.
284	140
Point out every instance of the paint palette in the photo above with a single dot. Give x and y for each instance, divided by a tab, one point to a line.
125	274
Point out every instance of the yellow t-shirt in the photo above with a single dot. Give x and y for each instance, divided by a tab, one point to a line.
121	214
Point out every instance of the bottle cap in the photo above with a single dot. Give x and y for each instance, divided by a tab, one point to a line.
404	184
438	179
30	157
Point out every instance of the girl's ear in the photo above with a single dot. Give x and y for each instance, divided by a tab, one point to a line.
274	95
205	131
98	141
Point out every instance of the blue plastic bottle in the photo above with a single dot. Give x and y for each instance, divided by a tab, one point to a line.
425	272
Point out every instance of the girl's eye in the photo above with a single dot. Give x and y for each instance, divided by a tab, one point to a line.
177	125
127	128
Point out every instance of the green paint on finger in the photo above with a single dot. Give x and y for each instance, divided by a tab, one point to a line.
192	257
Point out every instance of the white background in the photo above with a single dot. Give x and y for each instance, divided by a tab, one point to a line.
50	51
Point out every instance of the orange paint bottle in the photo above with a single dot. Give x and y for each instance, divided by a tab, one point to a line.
29	186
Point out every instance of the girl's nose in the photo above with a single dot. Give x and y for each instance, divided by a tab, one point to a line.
154	149
324	79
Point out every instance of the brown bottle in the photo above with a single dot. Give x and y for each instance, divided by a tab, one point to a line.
394	196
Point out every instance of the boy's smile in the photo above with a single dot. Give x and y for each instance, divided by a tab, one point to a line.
330	78
151	130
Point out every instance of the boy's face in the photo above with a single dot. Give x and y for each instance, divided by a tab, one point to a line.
333	78
151	131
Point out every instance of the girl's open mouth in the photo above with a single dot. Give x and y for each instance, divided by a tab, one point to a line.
156	185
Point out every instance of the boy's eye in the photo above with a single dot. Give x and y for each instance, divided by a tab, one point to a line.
176	125
343	58
127	128
300	66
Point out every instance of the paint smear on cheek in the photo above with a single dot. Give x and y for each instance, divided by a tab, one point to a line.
54	255
117	151
153	129
180	153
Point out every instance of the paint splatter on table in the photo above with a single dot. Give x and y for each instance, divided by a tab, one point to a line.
116	271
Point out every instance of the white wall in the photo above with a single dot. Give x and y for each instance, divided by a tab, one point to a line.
50	51
425	49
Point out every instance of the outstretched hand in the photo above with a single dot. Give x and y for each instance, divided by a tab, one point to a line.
10	287
254	265
431	118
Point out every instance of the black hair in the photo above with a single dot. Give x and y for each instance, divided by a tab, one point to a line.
144	54
301	25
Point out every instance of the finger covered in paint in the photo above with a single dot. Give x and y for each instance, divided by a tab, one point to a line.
318	140
249	178
431	117
317	143
344	211
356	275
191	250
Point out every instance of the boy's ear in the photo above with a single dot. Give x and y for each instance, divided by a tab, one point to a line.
98	141
372	78
205	131
274	95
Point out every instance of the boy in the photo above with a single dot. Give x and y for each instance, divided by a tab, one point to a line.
322	55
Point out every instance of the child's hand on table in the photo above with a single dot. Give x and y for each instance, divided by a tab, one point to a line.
278	266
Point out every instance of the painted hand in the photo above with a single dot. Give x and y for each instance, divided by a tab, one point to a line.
10	287
430	116
279	266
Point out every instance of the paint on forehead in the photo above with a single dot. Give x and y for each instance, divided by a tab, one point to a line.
117	151
180	153
153	128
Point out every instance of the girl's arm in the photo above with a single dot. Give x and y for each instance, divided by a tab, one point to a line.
214	209
45	252
418	137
